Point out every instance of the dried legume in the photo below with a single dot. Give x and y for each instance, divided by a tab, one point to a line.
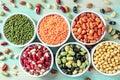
2	13
106	57
71	59
112	22
2	58
4	43
38	59
4	73
88	27
113	14
51	31
75	9
69	15
29	5
18	29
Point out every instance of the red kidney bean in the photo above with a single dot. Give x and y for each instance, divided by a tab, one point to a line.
90	68
58	2
36	59
62	9
54	71
38	10
4	43
5	67
5	8
1	53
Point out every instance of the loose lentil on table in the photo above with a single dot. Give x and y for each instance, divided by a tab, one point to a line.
53	29
19	29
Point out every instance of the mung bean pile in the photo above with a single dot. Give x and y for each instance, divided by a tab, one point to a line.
19	29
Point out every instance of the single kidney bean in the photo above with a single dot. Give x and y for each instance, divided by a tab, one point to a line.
4	43
38	10
58	2
5	8
62	9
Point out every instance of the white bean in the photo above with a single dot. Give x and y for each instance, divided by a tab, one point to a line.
113	14
2	58
29	5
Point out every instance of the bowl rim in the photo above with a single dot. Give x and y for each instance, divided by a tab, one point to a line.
99	17
15	45
52	60
51	13
79	74
92	53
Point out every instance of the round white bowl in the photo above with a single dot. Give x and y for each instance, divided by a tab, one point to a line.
45	73
92	53
15	45
81	41
57	45
79	74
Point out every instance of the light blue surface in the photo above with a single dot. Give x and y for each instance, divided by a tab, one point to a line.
97	5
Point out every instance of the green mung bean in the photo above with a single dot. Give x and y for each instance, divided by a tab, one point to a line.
19	29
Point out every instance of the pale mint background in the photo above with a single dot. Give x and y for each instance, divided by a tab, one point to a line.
97	5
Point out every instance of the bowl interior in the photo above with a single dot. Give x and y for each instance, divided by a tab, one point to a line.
51	65
33	37
99	17
92	55
79	74
51	13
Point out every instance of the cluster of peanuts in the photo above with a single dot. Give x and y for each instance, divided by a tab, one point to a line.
107	57
88	27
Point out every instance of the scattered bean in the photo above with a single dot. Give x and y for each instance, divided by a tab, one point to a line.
15	72
89	5
49	6
2	13
13	5
69	15
75	9
1	53
112	22
113	32
113	14
54	71
7	51
110	28
16	56
55	6
5	8
5	67
88	78
10	55
38	10
22	2
102	11
76	5
107	2
108	9
62	9
106	18
66	8
74	0
14	66
115	36
4	43
2	58
29	5
4	73
90	68
12	1
58	2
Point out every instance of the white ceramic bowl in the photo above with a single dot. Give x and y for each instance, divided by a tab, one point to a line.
92	53
79	74
51	65
99	17
15	45
64	19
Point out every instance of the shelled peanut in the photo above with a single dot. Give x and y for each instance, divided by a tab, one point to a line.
88	27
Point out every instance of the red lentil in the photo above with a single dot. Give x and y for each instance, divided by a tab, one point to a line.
53	29
88	27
